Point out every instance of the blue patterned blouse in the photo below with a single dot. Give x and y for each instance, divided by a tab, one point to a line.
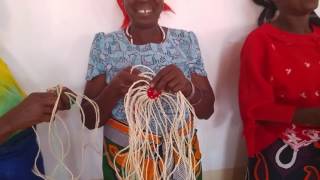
110	53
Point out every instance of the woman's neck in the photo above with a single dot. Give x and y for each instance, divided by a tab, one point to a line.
294	24
146	35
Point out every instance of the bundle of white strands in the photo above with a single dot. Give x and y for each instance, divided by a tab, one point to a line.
171	117
59	151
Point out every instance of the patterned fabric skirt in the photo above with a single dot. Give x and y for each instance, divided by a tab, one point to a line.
111	148
280	162
17	157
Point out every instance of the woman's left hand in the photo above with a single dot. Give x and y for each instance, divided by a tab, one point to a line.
171	79
64	103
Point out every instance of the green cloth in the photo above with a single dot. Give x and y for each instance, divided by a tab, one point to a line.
10	92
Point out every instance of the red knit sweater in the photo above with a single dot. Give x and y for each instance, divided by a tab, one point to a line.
280	71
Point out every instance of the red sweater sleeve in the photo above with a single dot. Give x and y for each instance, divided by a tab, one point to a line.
256	96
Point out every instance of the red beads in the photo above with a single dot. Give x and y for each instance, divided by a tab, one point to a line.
153	94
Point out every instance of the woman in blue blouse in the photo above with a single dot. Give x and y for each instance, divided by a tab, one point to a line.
173	54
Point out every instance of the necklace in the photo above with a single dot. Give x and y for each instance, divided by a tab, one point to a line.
131	38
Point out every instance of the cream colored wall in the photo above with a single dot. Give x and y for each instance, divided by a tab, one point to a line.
47	42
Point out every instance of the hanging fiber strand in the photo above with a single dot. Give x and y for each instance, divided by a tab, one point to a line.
155	156
61	154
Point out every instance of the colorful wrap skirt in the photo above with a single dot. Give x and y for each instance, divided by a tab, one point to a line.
116	138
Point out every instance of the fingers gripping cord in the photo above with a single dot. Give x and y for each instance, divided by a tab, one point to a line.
60	152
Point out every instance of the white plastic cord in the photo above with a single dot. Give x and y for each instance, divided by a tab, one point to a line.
63	152
173	125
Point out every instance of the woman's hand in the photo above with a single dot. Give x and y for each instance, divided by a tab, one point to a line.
171	79
37	108
124	80
307	117
34	109
64	103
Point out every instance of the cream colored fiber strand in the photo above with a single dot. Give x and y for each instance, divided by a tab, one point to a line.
175	131
63	152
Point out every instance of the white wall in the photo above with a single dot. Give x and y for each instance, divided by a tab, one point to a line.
47	42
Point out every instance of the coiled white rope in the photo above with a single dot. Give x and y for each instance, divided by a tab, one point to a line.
172	114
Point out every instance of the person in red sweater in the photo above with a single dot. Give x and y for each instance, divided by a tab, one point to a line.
279	92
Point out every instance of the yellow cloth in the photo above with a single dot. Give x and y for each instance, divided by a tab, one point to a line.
10	92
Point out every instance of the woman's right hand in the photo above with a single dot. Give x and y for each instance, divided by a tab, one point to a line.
124	80
34	109
307	117
106	95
